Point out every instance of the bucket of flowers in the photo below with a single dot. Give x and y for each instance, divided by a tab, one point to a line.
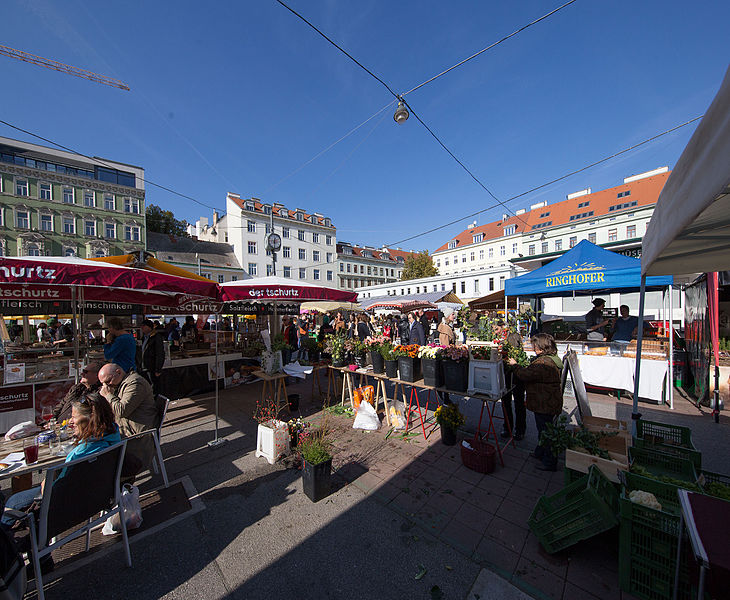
409	365
296	427
430	356
335	346
373	345
456	368
449	419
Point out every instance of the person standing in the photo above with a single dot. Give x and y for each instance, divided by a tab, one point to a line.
121	347
339	324
415	330
515	397
595	323
173	333
426	324
542	390
363	331
624	329
153	355
447	337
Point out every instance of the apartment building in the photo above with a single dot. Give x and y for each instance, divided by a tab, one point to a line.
215	230
308	240
57	203
361	266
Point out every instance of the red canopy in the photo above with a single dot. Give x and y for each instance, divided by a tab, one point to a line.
278	288
52	278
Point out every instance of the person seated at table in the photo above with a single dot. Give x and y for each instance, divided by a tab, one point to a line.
121	347
89	383
625	326
133	405
92	422
543	395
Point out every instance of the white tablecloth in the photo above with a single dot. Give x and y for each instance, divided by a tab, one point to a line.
617	372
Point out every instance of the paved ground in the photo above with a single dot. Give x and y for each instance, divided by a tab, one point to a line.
400	506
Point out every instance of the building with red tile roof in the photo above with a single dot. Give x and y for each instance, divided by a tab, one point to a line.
361	266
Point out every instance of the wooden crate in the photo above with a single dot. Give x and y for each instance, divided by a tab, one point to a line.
602	425
618	450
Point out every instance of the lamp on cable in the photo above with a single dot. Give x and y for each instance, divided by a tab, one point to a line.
401	113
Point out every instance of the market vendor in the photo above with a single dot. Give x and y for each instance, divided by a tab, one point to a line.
595	323
624	329
121	347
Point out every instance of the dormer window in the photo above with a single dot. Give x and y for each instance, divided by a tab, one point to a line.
477	238
327	223
510	230
313	219
300	216
452	244
267	209
249	205
283	212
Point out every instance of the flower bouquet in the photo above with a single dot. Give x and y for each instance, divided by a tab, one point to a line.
335	346
431	364
409	365
449	419
481	352
296	428
374	344
456	368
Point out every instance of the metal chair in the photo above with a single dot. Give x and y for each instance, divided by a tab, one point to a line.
87	494
158	463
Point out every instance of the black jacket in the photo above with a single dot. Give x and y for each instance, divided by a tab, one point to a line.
416	335
153	353
426	324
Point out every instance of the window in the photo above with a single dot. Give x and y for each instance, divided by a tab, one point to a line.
481	255
463	287
110	230
558	245
592	237
514	248
46	222
32	250
531	249
285	232
328	240
501	282
44	191
267	228
545	214
491	284
68	251
251	226
69	225
463	258
452	244
269	270
248	205
109	202
253	269
206	275
68	195
623	194
131	205
315	255
316	274
315	238
21	187
300	235
583	204
491	253
89	198
477	238
612	235
581	215
342	267
370	270
252	247
544	248
476	286
542	225
234	277
471	257
287	252
131	233
631	231
501	250
313	219
267	210
287	272
299	216
89	227
329	276
329	260
225	239
22	219
572	241
446	261
221	278
510	230
302	273
302	254
283	212
620	206
348	267
443	287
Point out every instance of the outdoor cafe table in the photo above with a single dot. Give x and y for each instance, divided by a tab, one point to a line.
45	461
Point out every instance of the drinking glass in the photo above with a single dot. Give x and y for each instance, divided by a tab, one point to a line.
30	449
54	446
47	413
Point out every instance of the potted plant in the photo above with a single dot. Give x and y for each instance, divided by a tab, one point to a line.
431	364
272	438
335	345
390	358
376	358
456	368
310	347
296	428
449	419
315	450
278	344
409	365
356	349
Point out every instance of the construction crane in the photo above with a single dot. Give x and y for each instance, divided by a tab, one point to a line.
59	66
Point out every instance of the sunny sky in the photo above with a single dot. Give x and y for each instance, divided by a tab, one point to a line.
244	97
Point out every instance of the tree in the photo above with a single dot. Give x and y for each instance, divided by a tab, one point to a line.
418	265
164	221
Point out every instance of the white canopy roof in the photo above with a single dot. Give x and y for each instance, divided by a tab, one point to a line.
689	231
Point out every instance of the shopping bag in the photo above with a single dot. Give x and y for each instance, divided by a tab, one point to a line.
130	507
366	417
366	393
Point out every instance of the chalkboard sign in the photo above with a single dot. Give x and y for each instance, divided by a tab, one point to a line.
571	366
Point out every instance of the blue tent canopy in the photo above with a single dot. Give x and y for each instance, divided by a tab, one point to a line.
586	269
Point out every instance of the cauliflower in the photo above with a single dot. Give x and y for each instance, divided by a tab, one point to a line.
645	499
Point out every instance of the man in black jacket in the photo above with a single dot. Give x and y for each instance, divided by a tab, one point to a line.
426	324
153	354
415	330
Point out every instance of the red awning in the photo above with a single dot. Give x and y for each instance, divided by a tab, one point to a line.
52	278
278	288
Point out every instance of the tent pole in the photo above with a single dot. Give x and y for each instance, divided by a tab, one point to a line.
670	388
217	441
635	415
74	291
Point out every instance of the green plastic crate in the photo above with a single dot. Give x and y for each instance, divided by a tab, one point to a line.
663	433
648	542
579	511
658	462
571	476
694	456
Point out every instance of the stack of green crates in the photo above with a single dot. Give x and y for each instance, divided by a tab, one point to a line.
579	511
648	542
660	463
670	439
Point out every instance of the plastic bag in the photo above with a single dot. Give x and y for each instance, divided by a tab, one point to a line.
22	430
397	420
132	512
366	418
366	393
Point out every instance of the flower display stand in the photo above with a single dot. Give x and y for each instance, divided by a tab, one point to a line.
272	440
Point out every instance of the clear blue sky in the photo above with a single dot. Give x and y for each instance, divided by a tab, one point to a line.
236	96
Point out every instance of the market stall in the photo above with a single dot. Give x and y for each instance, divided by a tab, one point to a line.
588	269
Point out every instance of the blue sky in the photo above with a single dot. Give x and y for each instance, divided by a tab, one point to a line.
239	96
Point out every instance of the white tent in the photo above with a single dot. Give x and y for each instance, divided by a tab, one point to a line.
689	231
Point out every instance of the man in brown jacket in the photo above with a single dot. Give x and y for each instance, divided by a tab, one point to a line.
133	404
